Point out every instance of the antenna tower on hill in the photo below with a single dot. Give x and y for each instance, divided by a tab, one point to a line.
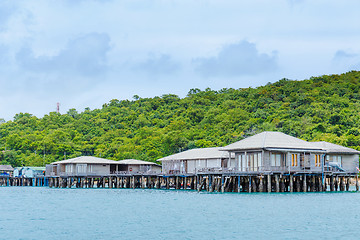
58	107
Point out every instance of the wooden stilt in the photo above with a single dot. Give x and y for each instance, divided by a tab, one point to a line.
336	185
277	186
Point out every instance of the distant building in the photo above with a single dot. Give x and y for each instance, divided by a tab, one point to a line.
6	170
94	166
339	158
266	152
197	160
29	172
138	166
278	152
82	166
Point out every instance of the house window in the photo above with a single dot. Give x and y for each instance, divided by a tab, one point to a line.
294	160
276	159
317	160
81	168
334	158
242	163
69	168
249	162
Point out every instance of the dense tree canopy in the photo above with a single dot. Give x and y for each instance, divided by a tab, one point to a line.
321	108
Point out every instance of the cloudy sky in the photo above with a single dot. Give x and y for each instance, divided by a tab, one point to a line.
83	53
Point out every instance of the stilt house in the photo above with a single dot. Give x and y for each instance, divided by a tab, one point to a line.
197	160
6	170
280	153
133	166
82	166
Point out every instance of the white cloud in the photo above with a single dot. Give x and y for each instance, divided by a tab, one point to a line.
237	59
158	64
346	61
7	9
85	55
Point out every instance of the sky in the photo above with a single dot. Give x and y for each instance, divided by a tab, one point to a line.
83	53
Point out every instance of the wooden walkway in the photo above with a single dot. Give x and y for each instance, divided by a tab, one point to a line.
300	182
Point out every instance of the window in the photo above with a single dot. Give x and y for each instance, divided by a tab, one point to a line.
81	168
68	168
294	160
335	158
317	160
276	159
242	163
249	162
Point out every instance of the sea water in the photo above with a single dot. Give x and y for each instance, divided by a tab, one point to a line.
48	213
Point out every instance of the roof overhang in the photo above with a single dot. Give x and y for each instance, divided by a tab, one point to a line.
295	150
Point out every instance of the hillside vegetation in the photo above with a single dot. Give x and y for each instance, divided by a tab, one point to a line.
321	108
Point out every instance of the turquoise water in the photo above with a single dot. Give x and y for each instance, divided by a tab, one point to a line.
44	213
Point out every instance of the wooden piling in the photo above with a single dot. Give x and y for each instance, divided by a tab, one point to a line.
269	183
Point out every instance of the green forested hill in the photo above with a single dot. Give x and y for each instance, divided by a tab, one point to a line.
321	108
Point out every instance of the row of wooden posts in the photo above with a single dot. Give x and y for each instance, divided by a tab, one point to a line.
214	183
205	182
31	182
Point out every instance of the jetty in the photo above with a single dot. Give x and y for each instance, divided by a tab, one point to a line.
265	162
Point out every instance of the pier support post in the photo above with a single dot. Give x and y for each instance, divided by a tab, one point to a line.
291	183
277	187
304	183
269	183
222	184
357	183
347	183
336	183
261	183
342	184
312	184
282	184
331	183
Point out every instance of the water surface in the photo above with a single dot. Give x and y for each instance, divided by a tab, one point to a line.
47	213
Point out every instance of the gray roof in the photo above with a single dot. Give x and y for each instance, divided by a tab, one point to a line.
6	168
334	148
274	140
136	162
198	153
86	160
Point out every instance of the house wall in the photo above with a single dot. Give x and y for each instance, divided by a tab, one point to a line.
101	169
191	166
350	162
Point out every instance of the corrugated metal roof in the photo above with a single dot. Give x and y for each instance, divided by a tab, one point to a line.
136	162
86	160
334	148
198	153
6	168
271	140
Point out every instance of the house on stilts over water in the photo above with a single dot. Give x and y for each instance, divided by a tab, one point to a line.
272	162
265	162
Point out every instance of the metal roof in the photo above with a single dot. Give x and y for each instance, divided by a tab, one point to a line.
334	148
6	168
271	140
86	160
198	153
136	162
